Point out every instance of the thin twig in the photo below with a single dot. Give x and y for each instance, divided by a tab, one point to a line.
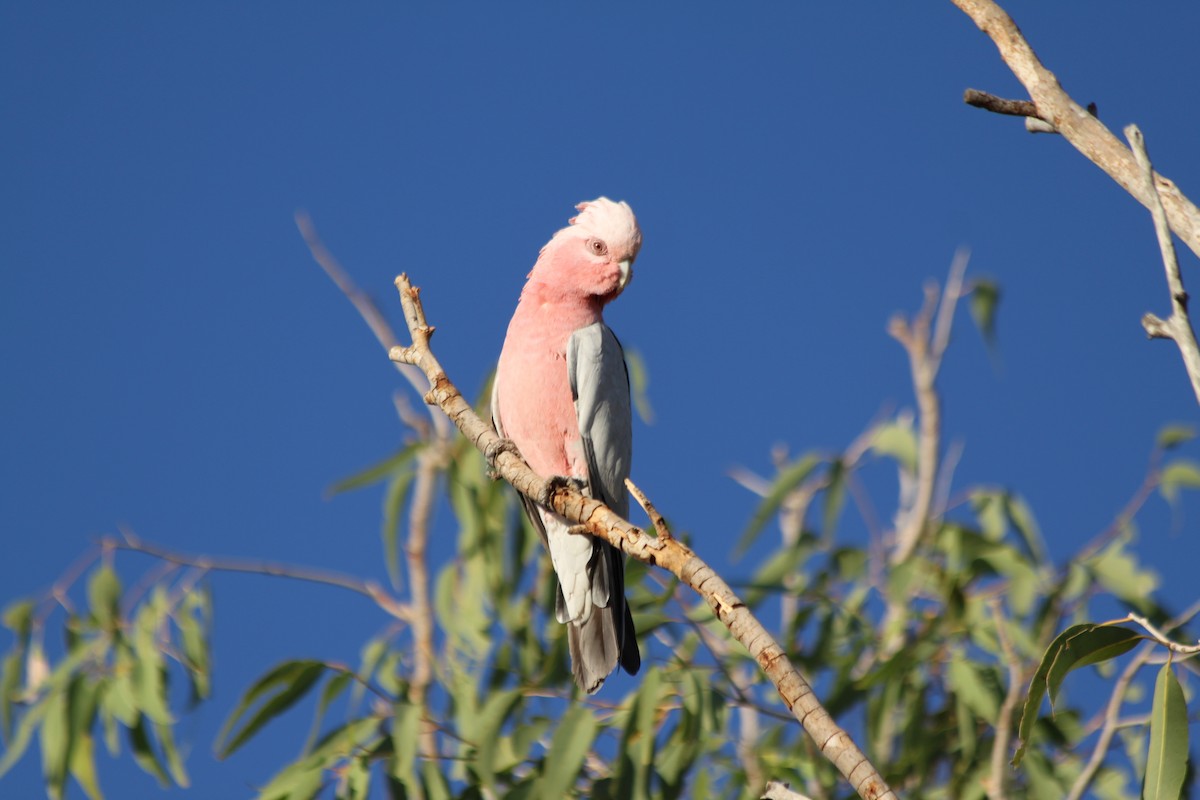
1178	326
424	489
670	554
1160	637
999	105
656	519
363	303
995	783
308	574
925	348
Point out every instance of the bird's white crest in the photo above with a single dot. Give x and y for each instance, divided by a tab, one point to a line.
609	220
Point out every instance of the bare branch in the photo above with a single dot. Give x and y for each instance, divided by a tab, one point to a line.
925	340
670	554
363	303
1079	127
999	105
781	791
309	574
995	783
656	519
1161	638
429	462
1178	326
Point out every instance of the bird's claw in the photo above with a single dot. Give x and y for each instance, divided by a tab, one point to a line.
493	450
556	482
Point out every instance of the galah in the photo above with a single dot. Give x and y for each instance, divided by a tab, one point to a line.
561	395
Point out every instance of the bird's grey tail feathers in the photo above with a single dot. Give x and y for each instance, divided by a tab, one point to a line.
596	649
607	638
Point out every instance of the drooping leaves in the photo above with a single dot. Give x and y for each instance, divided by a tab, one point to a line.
1078	646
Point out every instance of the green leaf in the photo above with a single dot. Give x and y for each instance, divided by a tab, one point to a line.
18	617
486	732
143	753
1089	644
24	734
791	477
377	472
1075	647
572	740
281	688
640	731
372	654
1020	515
770	576
192	622
1181	473
436	786
149	668
356	780
406	727
55	743
1166	763
104	597
969	686
334	687
1172	436
896	440
166	740
120	699
989	510
985	299
10	685
1118	571
83	765
82	703
299	780
639	382
835	498
393	507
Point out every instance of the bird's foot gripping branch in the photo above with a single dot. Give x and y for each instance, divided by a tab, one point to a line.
663	551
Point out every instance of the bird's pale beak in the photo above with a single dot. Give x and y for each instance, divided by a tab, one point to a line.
626	267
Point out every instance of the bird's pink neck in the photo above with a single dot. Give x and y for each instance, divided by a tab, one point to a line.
568	309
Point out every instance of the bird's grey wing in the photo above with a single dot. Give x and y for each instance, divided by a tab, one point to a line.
600	387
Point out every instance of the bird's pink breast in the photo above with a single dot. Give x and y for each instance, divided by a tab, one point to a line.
535	403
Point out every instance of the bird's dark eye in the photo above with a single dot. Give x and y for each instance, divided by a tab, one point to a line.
597	247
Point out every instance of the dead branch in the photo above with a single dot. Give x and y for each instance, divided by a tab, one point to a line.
669	554
925	340
1177	327
368	589
1079	127
999	105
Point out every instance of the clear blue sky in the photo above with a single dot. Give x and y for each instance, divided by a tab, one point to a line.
174	360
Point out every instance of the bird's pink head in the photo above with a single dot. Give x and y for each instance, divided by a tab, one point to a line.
593	257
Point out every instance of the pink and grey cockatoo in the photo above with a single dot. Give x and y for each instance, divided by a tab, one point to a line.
562	396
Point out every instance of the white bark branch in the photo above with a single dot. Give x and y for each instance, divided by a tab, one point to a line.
1178	326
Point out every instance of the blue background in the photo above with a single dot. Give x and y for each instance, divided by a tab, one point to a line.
174	361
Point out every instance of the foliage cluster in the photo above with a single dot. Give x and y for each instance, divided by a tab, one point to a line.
938	664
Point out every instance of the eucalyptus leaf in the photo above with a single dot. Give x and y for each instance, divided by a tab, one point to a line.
788	479
572	740
1166	762
280	689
